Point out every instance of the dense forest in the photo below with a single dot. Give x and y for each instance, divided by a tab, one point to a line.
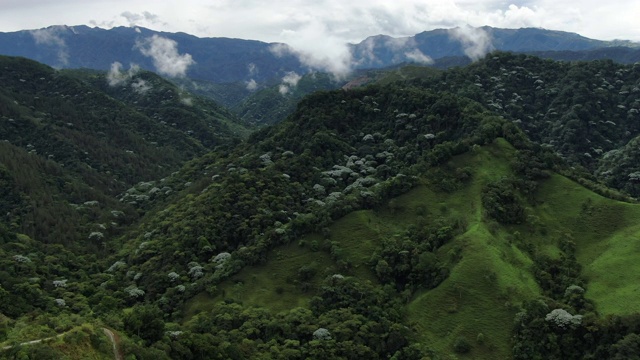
485	211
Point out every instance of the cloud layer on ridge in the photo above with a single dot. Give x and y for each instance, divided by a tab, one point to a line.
164	53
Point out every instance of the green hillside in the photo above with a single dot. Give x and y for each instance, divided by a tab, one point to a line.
491	266
407	219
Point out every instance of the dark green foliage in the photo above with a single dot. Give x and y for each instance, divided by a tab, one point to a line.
360	319
270	105
145	322
409	260
335	154
613	337
627	348
461	345
501	202
587	112
172	238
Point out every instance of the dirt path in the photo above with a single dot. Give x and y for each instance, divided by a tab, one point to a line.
113	337
115	341
32	342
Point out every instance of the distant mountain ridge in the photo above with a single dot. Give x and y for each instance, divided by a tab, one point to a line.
381	50
225	60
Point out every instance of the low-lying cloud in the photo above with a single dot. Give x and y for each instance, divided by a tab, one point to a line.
141	86
253	69
476	42
117	76
316	47
289	80
283	89
252	85
418	56
51	36
165	56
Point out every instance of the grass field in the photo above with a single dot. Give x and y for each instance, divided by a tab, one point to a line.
490	274
607	236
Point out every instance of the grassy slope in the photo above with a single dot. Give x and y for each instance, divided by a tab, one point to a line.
490	275
606	233
472	301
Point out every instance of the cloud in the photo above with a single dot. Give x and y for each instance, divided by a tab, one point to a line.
166	58
252	85
366	51
283	89
476	42
51	36
141	86
116	76
417	56
316	47
349	21
281	50
144	17
291	79
253	69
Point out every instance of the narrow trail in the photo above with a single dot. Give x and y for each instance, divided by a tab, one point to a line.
113	337
115	341
32	342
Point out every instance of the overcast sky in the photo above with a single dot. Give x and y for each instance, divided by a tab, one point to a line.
305	21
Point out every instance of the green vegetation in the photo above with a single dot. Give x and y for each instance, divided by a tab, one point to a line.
404	220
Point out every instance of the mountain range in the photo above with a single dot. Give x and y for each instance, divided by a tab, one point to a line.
224	60
486	210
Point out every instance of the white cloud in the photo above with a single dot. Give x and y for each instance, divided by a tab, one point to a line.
367	53
134	18
343	21
253	69
316	47
116	76
283	89
51	36
141	86
416	55
291	79
166	58
475	41
252	85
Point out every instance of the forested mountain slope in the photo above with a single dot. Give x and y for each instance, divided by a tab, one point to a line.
401	220
586	112
72	150
92	141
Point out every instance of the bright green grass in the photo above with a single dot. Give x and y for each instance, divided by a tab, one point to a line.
491	274
490	279
607	237
471	301
272	285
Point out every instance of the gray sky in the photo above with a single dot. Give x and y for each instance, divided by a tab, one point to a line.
306	22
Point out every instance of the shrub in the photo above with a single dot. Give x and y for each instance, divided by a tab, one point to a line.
461	345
